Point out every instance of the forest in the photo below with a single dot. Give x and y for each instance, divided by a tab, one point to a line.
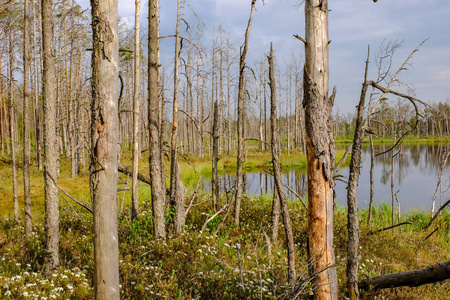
124	177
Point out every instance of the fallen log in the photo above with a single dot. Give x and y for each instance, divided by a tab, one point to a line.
128	171
435	273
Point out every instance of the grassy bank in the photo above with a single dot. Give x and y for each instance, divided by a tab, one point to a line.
341	141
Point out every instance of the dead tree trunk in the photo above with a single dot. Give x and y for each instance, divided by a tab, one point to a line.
352	199
436	273
12	127
157	174
215	158
104	140
36	90
26	120
136	115
175	178
51	154
277	172
319	149
240	122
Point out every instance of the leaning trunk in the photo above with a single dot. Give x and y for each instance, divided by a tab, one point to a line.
240	121
352	201
277	173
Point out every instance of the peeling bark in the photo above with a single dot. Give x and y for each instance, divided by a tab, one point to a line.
319	149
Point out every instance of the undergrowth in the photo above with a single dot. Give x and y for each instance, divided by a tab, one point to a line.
205	266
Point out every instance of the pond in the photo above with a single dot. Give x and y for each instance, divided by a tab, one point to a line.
416	168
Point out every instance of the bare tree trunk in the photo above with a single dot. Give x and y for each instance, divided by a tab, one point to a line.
319	149
36	92
275	217
352	199
392	178
104	139
277	173
175	179
230	138
136	115
50	142
240	122
26	120
157	174
372	165
215	158
12	128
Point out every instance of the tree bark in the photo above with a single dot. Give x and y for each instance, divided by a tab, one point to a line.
176	185
136	115
435	273
26	120
104	140
215	158
12	127
352	199
277	172
240	122
36	91
319	149
157	175
50	142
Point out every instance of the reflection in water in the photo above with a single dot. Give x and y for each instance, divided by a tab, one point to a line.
416	171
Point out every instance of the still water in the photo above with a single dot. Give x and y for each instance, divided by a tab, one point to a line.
416	169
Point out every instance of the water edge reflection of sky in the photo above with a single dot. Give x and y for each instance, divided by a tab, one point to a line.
416	168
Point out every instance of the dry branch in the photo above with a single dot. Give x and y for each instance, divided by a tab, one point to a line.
85	206
390	227
128	171
437	214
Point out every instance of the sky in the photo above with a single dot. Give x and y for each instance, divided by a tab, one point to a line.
353	25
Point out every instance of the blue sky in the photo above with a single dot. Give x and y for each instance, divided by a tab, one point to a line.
353	25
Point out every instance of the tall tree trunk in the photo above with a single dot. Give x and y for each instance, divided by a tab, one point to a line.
230	138
136	115
50	141
155	135
277	172
36	91
104	139
352	200
176	202
240	122
26	120
319	149
12	127
215	158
